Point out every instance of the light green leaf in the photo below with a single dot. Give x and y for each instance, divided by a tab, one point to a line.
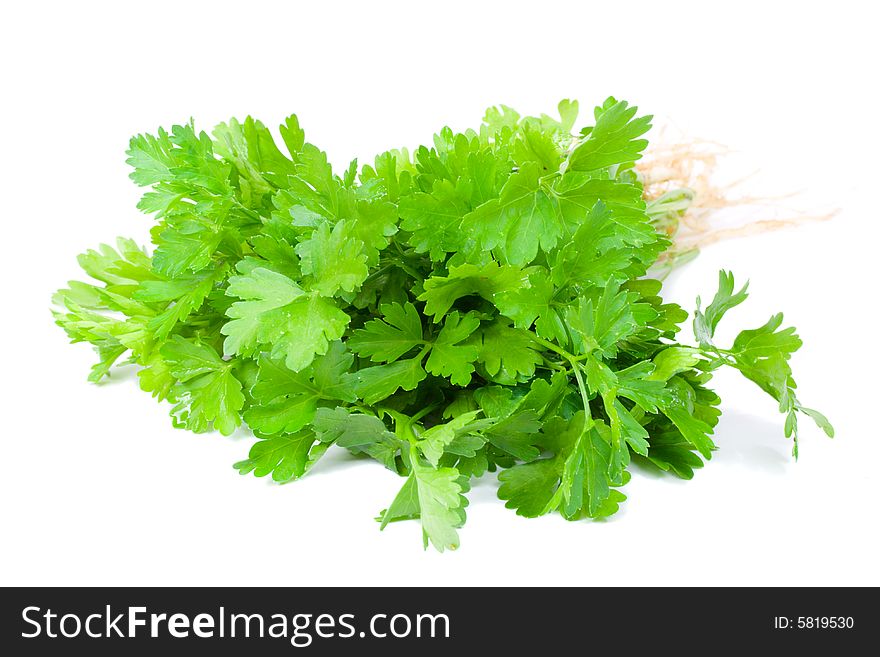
373	384
434	495
277	315
520	221
285	457
448	356
465	280
613	140
387	339
207	393
725	299
334	259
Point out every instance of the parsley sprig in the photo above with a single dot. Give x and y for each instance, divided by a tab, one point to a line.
482	304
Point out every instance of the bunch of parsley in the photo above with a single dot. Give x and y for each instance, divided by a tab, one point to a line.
481	305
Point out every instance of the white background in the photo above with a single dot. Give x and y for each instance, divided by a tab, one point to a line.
97	488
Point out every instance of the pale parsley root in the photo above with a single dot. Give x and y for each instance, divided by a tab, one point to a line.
480	305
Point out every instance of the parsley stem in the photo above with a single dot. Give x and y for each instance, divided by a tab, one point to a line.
552	347
424	351
553	365
422	413
406	268
585	397
571	358
363	408
575	366
562	352
381	270
248	211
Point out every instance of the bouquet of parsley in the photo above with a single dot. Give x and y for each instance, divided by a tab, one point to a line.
482	304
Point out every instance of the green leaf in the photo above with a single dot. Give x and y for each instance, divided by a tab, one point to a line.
188	244
334	259
669	451
516	434
285	457
121	268
207	393
672	360
155	376
694	430
278	315
486	281
311	326
600	324
434	495
626	434
433	442
584	484
820	420
252	150
612	213
387	339
725	299
531	301
266	294
182	296
599	254
507	353
575	481
613	140
405	505
188	359
284	415
181	161
530	487
434	219
762	355
448	356
639	384
285	401
337	425
520	221
545	397
373	384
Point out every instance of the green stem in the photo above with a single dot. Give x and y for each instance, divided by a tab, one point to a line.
585	397
424	351
422	413
553	365
409	270
551	346
366	410
576	369
379	272
403	424
248	211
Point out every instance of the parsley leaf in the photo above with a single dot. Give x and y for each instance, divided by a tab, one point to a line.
450	358
207	391
387	339
435	497
277	314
